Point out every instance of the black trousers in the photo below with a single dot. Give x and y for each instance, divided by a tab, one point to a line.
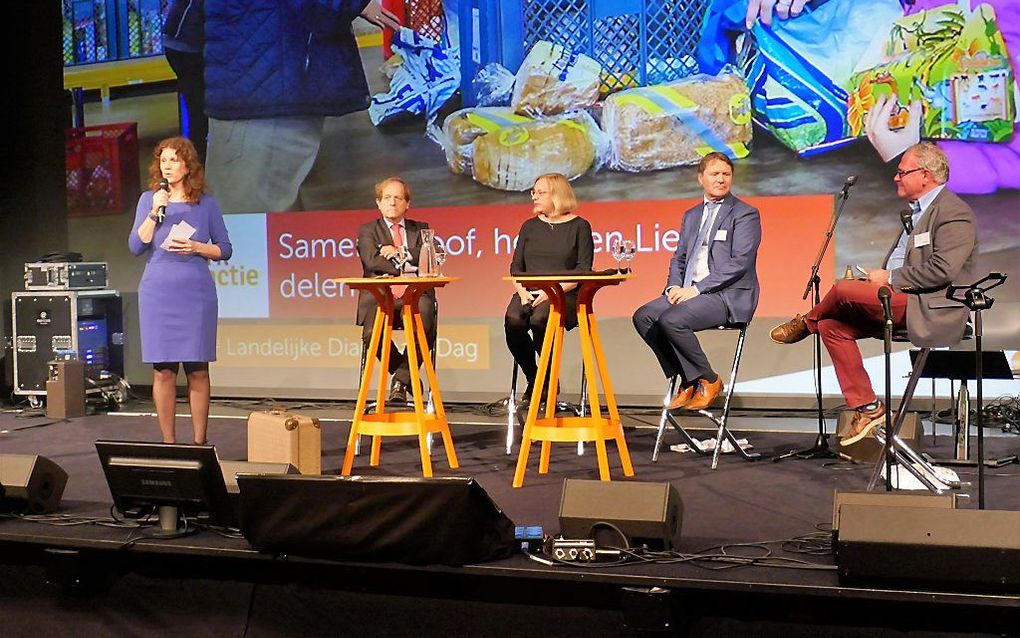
400	367
525	331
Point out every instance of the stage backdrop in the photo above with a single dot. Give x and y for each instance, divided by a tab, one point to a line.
837	91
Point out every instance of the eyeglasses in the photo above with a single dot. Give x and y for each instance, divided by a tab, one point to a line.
536	193
902	173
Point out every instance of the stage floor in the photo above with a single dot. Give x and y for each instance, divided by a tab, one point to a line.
740	502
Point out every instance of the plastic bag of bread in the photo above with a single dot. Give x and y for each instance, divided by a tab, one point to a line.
513	158
555	80
461	128
656	127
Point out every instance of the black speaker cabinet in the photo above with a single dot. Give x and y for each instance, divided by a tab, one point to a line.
867	449
31	484
449	520
948	548
646	513
888	499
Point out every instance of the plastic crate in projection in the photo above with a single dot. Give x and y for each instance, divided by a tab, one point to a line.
424	16
86	31
141	27
102	171
638	42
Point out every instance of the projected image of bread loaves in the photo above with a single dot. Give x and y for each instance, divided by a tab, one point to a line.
513	158
462	128
674	124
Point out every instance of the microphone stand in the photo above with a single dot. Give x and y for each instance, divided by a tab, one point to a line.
975	299
820	449
887	347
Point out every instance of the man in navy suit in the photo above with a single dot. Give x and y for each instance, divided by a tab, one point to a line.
712	281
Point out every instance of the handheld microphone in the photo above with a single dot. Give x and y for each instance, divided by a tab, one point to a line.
907	219
884	296
850	181
164	185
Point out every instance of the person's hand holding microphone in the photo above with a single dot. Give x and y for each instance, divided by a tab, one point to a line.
160	199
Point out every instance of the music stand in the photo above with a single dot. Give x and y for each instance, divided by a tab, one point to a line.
960	365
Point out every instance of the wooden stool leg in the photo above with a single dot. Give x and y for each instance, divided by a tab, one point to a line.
366	378
603	457
543	461
437	397
543	365
411	323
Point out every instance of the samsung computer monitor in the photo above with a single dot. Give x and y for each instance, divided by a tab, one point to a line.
183	484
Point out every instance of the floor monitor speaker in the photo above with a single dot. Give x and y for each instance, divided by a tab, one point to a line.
645	513
32	484
956	548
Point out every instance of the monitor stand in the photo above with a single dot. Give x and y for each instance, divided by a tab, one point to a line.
168	519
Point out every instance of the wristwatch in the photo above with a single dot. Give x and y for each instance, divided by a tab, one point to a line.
154	217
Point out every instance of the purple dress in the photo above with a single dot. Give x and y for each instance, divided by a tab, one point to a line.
176	297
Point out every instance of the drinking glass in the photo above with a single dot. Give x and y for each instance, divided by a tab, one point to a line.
629	249
401	258
440	258
616	249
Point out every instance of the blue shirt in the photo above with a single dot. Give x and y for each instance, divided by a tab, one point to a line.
899	253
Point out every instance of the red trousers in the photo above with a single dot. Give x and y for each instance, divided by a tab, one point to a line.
848	312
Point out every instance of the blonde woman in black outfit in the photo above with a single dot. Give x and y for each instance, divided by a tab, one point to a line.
553	241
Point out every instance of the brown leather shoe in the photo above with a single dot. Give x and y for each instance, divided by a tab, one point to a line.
863	424
705	394
681	398
792	331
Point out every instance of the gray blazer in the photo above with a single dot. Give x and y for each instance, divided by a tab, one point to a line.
933	321
731	263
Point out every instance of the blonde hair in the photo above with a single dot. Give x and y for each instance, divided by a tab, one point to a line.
932	159
390	180
563	198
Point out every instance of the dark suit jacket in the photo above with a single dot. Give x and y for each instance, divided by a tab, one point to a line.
948	258
731	262
372	236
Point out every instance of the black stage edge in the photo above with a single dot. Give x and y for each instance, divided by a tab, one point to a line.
82	579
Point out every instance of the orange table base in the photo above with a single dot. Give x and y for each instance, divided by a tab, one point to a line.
550	428
382	422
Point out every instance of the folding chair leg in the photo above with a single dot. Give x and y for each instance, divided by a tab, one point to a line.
511	410
670	391
902	454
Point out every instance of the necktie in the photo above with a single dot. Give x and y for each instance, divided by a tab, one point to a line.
398	241
692	257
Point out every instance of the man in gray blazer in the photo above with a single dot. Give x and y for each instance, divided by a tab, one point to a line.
712	281
937	250
378	242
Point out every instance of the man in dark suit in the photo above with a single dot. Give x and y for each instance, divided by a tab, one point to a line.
712	281
378	244
936	249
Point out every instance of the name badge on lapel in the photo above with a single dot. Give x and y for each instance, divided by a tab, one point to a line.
922	239
720	235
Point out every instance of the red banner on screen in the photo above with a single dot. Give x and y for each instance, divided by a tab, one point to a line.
307	250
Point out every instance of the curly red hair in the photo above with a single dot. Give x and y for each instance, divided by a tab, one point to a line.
194	181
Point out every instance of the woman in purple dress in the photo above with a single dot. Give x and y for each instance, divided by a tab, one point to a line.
179	228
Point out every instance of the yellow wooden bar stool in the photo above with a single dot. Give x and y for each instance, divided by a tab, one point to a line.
597	426
381	422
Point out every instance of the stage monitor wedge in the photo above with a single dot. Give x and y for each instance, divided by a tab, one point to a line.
31	484
950	548
646	513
